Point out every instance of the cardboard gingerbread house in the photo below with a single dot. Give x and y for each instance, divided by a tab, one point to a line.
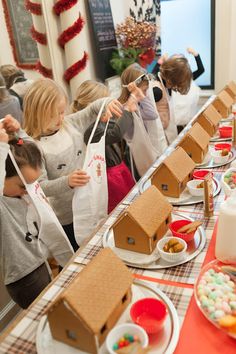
84	313
223	103
172	175
196	143
209	119
143	223
231	90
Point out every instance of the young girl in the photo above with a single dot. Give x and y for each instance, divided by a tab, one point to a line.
119	178
61	143
175	74
23	267
8	104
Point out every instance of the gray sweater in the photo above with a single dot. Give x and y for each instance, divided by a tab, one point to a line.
63	153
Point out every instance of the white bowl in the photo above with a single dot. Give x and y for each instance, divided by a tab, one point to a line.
227	189
171	257
192	187
118	332
218	158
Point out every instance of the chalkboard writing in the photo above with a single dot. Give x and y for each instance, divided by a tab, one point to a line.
104	34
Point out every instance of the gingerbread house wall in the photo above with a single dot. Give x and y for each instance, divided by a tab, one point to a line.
166	182
193	149
209	127
127	227
64	324
221	108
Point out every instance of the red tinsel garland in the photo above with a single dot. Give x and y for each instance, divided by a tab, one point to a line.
34	8
43	70
71	32
38	37
63	5
74	69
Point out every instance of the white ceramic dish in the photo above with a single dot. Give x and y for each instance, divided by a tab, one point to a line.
194	248
185	198
218	158
118	332
165	342
225	186
212	164
172	257
192	187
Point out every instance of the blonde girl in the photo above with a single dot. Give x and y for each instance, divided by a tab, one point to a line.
61	143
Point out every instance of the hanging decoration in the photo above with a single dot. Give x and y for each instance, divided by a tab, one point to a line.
72	26
44	65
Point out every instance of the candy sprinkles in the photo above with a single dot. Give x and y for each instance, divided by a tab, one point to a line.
125	341
217	294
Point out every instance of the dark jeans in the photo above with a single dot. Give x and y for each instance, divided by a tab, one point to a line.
24	291
69	230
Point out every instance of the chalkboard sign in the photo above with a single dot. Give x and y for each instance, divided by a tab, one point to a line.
104	35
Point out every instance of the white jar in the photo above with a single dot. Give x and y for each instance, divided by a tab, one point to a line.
225	249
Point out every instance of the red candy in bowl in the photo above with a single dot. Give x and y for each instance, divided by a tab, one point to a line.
225	132
223	146
201	174
149	313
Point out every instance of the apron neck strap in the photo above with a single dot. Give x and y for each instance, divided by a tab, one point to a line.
97	121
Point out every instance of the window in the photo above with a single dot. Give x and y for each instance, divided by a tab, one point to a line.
103	328
154	238
164	187
190	23
124	298
131	240
71	334
167	221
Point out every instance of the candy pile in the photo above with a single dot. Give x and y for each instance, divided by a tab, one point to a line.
230	179
217	294
126	340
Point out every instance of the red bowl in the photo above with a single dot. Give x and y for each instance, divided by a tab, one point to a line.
149	313
201	174
176	225
223	146
225	132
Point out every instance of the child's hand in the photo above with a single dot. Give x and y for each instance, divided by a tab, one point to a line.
3	135
11	124
192	51
114	107
78	178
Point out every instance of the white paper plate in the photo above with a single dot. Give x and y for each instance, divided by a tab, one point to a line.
193	249
164	342
211	164
185	197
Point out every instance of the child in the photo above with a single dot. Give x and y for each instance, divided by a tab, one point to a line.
175	74
61	143
25	273
8	104
119	178
138	139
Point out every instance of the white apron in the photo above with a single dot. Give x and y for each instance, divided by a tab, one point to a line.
171	131
141	148
51	234
90	202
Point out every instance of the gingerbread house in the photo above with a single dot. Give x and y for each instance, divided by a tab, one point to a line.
231	90
196	143
143	223
209	119
223	103
84	313
173	173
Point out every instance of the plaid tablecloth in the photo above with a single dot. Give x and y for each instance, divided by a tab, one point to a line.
21	339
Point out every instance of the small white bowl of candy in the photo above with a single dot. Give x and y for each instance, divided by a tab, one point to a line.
220	156
215	294
228	181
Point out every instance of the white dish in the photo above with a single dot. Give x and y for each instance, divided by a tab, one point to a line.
194	248
166	340
185	197
218	158
172	257
192	187
227	190
212	164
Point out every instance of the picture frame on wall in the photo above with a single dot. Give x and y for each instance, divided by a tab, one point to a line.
19	22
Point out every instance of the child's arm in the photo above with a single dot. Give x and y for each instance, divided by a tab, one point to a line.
12	126
4	149
82	119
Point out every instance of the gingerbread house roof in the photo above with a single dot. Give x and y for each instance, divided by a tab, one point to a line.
212	114
97	290
225	98
232	87
179	163
149	210
198	134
